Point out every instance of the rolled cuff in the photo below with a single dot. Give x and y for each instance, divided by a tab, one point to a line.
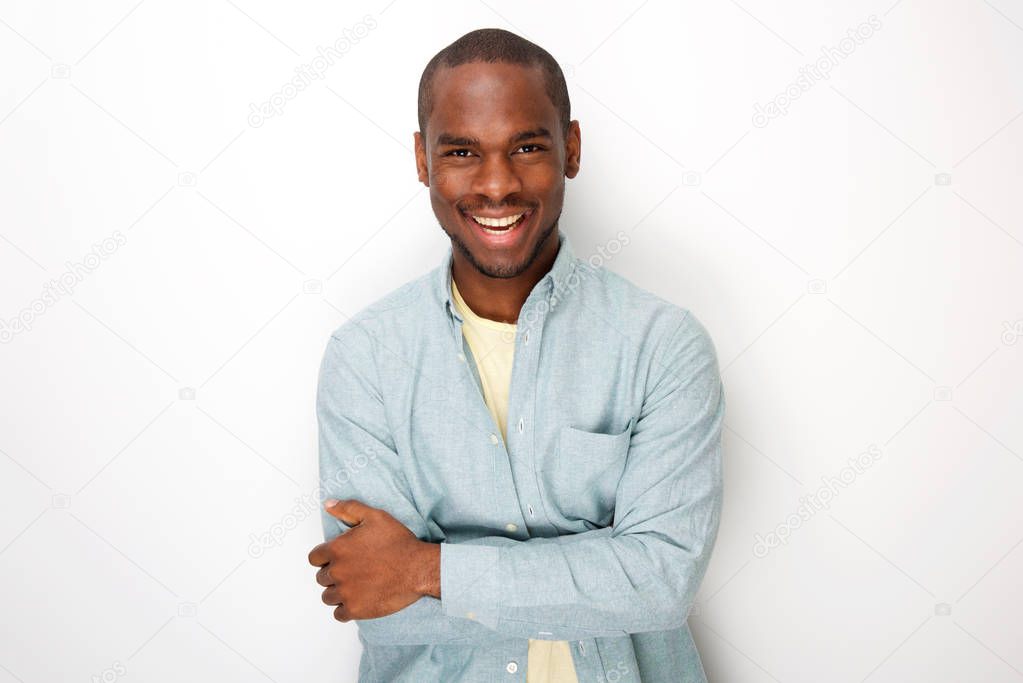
470	582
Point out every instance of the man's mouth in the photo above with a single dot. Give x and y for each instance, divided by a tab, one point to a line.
499	226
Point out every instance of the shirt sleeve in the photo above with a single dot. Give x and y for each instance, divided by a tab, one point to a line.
644	574
357	459
425	622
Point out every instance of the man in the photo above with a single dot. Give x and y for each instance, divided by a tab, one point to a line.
521	450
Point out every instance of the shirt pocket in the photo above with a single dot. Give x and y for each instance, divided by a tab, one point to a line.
584	475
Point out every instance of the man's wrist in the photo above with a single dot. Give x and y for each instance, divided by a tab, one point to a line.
426	566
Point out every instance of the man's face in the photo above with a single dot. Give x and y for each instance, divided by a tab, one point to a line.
494	149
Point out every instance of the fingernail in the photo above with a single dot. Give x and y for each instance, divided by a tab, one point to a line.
330	502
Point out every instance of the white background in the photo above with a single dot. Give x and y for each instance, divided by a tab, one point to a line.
858	262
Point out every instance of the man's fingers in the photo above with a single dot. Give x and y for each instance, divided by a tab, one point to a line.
351	511
323	577
319	556
331	596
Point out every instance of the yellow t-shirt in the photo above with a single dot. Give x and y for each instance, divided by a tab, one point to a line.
493	345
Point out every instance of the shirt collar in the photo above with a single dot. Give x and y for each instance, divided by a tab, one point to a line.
553	280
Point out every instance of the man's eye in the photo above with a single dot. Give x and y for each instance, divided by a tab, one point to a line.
457	152
537	147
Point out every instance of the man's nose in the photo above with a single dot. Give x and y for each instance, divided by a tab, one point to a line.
496	178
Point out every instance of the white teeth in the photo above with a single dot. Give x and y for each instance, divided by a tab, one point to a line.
498	222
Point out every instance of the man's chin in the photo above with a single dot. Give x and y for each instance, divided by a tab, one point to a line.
491	264
496	267
504	272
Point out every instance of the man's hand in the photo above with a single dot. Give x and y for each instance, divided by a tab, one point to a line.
377	567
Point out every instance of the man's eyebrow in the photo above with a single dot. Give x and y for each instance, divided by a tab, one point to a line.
454	140
449	139
540	132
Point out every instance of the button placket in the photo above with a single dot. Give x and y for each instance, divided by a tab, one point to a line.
529	409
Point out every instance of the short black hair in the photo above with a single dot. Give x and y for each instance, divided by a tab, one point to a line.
496	45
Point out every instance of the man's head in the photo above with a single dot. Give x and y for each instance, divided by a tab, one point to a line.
496	140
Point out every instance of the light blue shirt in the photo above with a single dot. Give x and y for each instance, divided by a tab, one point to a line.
594	523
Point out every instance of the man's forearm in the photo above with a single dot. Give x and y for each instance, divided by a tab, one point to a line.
424	622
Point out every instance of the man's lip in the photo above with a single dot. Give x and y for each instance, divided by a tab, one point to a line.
484	214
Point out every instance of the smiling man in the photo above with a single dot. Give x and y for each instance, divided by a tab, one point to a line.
521	450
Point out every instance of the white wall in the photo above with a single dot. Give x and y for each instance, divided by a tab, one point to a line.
862	302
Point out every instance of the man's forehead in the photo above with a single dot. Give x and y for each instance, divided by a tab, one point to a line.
490	102
476	77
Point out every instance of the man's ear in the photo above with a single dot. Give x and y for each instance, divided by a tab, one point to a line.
422	168
573	149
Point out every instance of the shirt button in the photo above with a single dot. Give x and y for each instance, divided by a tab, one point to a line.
461	357
521	424
512	667
494	439
511	527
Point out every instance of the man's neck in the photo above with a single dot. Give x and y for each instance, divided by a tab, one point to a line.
501	299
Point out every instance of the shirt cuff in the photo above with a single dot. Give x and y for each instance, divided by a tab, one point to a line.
470	582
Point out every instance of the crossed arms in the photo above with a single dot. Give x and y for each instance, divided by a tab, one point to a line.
640	574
